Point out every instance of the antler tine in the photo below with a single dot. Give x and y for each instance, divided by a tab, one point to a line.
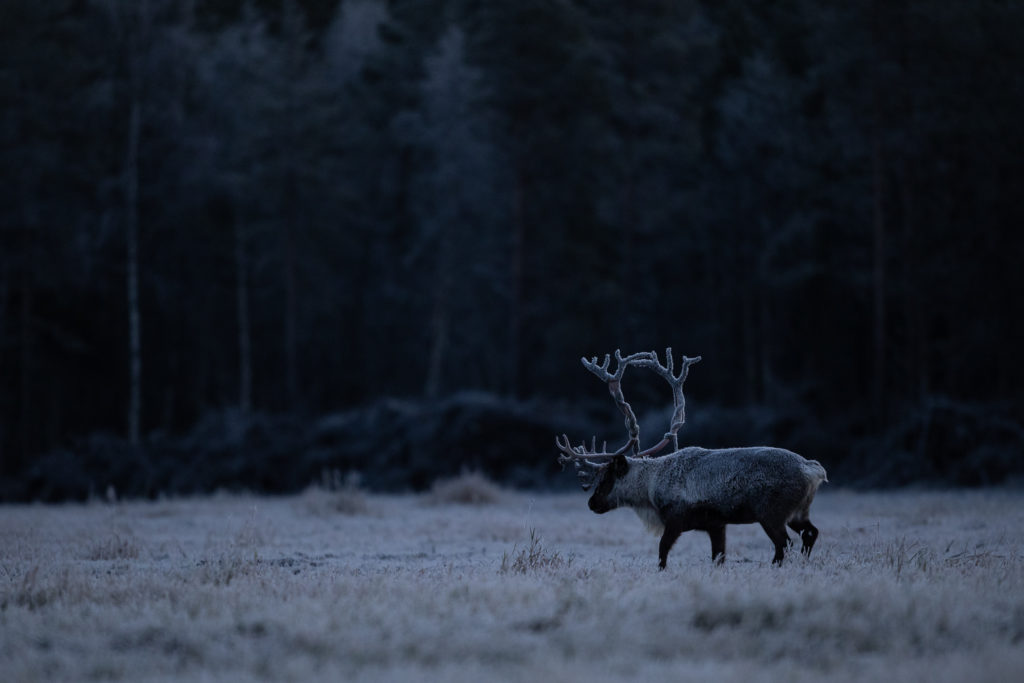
578	454
568	452
586	469
601	370
591	457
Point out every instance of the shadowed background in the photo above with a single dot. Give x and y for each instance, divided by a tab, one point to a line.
245	244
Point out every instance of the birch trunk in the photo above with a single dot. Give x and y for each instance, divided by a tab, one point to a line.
440	315
131	180
244	338
515	323
878	231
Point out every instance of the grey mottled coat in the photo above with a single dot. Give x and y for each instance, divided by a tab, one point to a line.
697	488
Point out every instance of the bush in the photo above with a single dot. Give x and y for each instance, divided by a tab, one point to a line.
943	441
397	445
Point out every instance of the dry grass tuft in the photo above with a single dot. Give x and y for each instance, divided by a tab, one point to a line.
114	548
223	570
533	558
336	494
469	488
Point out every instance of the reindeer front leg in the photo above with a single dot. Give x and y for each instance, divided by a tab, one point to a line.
717	535
668	539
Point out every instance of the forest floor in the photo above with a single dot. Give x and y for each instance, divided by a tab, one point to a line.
341	585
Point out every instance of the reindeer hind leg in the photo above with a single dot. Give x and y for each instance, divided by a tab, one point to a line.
777	532
808	534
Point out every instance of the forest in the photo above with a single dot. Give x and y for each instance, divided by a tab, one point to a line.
253	244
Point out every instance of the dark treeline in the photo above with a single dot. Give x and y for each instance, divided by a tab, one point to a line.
302	208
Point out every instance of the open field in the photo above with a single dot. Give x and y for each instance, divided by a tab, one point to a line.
921	586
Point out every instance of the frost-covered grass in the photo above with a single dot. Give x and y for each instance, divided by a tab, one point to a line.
920	586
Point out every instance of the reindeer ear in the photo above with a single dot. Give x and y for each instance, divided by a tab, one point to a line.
620	465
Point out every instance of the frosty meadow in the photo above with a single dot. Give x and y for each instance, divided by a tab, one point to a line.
343	585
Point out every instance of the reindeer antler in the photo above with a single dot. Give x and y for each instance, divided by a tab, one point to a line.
678	400
614	382
591	459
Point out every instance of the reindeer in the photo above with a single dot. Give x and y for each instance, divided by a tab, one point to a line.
694	488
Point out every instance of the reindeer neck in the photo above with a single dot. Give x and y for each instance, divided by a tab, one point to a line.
633	490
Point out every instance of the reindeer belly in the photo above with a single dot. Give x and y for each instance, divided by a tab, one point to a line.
704	516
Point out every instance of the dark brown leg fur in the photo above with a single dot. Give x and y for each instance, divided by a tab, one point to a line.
779	538
717	544
808	534
672	532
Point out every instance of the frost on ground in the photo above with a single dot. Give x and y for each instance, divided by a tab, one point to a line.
901	586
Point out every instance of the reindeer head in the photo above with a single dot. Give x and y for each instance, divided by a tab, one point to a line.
604	498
